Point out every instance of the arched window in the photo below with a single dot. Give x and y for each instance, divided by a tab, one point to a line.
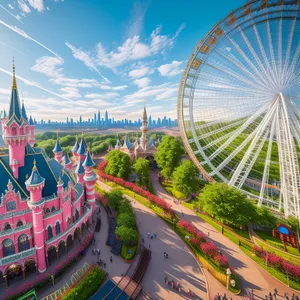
53	208
57	228
20	223
7	226
47	210
23	243
8	247
76	214
14	131
69	221
50	233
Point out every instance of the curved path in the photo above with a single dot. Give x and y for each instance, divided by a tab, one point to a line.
180	266
250	274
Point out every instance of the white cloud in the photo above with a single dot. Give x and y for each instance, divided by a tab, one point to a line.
86	59
143	82
47	65
171	69
71	92
37	4
5	91
108	95
10	6
168	94
23	6
141	72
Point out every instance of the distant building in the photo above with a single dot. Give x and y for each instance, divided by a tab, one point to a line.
43	208
142	147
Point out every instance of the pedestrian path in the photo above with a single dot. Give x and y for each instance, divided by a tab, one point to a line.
181	265
250	274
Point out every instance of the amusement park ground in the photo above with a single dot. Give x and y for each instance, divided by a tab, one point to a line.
251	275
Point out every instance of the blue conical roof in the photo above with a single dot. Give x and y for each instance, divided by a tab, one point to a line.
14	107
75	147
4	113
88	162
82	147
31	121
57	147
35	177
66	159
79	169
24	115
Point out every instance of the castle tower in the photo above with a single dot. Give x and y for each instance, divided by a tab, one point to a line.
80	172
31	132
15	130
66	162
82	149
57	151
90	179
35	184
144	129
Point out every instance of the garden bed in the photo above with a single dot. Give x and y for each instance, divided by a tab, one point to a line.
86	286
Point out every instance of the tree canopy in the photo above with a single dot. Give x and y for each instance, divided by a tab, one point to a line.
141	168
118	164
125	219
186	178
126	234
115	199
227	204
168	155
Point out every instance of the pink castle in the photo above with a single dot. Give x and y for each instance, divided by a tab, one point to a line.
43	208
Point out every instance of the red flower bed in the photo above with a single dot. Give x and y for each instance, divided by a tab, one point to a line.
133	187
209	249
278	262
194	241
221	260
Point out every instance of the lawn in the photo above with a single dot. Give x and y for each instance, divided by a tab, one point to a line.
170	189
124	251
269	239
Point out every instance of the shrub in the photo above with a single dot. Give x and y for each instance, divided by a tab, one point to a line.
209	249
221	260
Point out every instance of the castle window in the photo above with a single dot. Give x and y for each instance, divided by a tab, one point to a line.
20	223
8	247
57	228
14	131
47	210
53	208
7	226
50	233
23	243
76	214
69	221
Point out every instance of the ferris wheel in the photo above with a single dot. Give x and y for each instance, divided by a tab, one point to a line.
238	103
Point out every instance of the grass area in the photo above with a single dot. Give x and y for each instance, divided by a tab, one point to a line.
87	286
292	259
170	189
269	239
159	211
274	272
124	251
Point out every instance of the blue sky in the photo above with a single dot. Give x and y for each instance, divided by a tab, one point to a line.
75	57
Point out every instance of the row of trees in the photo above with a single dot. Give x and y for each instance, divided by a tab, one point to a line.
230	206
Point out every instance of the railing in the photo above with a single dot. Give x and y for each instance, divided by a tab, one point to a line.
14	214
11	258
50	198
61	234
17	229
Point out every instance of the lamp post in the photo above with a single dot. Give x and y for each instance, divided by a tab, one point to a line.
228	273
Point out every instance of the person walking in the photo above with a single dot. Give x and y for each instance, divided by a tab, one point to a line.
111	259
149	246
143	241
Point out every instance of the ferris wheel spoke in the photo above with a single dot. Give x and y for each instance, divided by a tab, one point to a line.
245	57
266	78
255	134
289	46
267	163
294	62
240	130
280	50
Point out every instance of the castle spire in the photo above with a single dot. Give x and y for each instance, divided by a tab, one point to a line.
14	82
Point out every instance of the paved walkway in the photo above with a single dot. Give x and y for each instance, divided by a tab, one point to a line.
114	269
250	274
180	266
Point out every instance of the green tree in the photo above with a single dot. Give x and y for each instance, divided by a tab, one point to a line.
141	168
127	220
127	235
265	217
126	207
118	164
115	199
168	155
227	204
186	178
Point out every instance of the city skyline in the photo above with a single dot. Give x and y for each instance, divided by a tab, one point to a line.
118	60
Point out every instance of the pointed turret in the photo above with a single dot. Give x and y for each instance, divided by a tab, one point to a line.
4	113
118	144
66	162
144	129
82	148
80	172
88	162
14	113
31	121
24	115
57	151
35	177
